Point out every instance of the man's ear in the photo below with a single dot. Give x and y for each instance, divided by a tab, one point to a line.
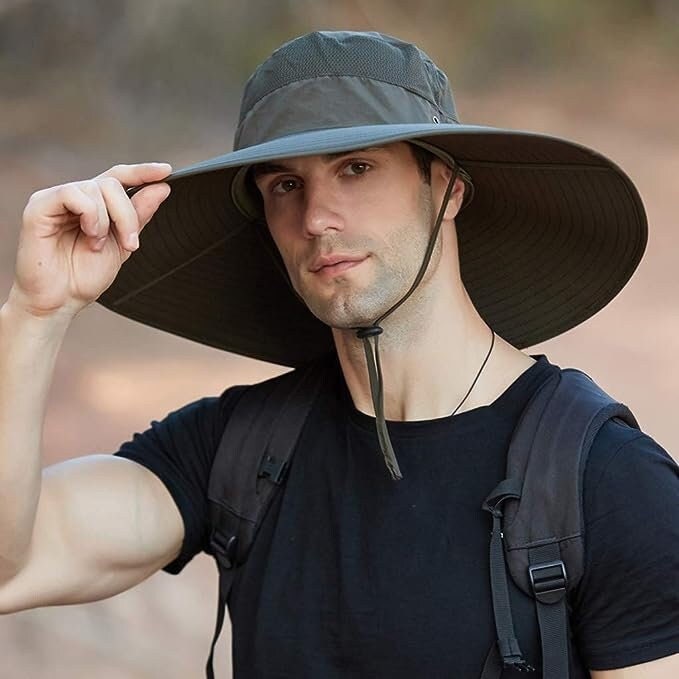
440	177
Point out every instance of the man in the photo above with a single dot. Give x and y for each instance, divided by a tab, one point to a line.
356	216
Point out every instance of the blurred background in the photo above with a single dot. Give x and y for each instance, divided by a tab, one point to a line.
85	85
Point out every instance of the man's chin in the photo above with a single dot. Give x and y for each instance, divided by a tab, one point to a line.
338	315
346	309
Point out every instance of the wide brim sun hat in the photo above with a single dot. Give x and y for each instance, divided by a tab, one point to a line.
552	232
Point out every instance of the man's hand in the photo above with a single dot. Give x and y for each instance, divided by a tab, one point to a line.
76	236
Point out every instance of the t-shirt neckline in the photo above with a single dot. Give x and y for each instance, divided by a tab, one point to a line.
396	427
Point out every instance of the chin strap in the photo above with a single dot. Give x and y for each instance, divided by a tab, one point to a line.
370	338
372	358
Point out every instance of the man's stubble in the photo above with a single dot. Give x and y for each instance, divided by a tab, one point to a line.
395	263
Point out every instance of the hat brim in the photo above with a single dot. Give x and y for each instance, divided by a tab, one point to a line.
554	232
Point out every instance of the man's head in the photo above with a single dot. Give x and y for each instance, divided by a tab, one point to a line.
352	227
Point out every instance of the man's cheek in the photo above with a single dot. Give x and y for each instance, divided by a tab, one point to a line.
295	272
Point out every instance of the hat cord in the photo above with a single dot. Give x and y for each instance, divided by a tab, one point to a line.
371	346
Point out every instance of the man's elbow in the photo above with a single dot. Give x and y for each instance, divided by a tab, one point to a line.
662	668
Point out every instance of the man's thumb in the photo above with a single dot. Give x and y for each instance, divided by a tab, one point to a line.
147	200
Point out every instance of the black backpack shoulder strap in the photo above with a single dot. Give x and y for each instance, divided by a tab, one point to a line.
538	522
250	466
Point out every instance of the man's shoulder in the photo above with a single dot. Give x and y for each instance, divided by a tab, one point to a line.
303	382
621	452
287	397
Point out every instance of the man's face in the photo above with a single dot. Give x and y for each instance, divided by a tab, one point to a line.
352	229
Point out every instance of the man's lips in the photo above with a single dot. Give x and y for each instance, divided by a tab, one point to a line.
335	263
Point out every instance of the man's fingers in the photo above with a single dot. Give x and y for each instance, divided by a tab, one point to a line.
141	173
99	228
147	200
122	212
127	216
103	206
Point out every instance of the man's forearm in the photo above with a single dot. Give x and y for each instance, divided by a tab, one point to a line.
28	349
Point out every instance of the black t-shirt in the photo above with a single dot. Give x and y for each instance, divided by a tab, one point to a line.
355	575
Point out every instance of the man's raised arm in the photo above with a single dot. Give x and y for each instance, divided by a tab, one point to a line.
89	527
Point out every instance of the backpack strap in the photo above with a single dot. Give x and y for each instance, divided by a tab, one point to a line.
538	511
251	465
506	651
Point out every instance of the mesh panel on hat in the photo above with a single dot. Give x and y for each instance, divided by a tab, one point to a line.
346	53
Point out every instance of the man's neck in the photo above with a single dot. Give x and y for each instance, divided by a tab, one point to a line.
429	363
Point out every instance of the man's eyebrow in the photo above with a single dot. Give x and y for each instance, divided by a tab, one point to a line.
261	169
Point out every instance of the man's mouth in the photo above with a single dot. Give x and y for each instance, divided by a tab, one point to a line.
330	265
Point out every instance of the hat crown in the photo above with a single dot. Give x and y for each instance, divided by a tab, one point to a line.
365	58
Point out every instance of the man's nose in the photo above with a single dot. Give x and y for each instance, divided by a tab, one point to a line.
321	211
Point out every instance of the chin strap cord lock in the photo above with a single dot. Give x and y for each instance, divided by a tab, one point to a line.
372	358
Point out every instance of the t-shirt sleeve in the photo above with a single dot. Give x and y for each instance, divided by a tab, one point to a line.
626	609
180	449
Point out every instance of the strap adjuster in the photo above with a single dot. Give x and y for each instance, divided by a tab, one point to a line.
225	549
273	469
549	581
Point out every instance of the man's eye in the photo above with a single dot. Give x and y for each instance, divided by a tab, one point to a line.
357	168
284	186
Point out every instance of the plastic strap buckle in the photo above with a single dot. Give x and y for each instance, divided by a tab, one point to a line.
273	469
548	581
